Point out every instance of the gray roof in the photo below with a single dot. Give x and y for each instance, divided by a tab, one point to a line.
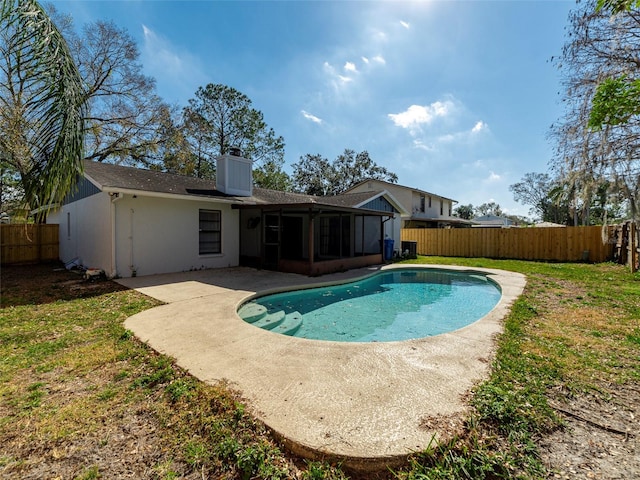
400	186
111	177
492	220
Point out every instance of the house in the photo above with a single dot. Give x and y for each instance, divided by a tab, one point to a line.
493	221
129	222
423	209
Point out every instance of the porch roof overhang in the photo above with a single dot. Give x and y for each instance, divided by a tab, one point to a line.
312	208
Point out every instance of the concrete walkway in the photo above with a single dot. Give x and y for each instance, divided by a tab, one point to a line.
365	403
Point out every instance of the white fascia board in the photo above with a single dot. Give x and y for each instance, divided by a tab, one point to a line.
174	196
88	177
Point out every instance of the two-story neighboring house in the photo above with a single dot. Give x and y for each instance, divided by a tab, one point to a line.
424	209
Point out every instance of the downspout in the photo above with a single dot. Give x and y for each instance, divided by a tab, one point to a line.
114	268
384	234
382	238
132	266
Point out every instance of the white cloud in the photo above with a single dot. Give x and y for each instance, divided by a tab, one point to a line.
493	177
479	127
159	51
336	78
176	71
365	60
380	36
419	144
379	59
405	24
311	117
350	67
417	115
448	138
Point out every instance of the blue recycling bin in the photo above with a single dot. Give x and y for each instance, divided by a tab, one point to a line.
388	248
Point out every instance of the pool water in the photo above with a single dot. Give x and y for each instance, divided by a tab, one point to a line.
398	304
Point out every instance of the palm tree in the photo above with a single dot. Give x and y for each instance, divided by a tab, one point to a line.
42	105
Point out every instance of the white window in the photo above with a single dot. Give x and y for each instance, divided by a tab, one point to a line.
210	232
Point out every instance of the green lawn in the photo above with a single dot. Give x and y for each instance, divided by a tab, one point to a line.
80	397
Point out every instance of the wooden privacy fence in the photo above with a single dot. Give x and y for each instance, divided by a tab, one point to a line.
29	243
568	244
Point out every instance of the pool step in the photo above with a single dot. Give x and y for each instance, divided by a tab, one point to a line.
270	321
252	312
290	325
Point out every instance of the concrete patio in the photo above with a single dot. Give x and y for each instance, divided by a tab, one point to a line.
368	404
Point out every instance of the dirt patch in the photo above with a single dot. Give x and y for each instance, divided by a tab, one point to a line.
601	439
49	282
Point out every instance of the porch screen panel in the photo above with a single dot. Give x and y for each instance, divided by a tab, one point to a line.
331	236
210	232
372	231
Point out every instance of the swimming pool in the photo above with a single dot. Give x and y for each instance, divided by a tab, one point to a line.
392	305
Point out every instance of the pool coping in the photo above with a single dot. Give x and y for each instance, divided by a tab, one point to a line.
366	404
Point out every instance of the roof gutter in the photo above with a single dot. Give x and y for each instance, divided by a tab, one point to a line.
314	207
177	196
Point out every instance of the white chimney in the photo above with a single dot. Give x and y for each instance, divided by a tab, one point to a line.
233	174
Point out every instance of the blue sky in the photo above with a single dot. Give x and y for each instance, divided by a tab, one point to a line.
455	97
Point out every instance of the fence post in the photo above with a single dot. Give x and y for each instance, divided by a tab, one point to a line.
634	246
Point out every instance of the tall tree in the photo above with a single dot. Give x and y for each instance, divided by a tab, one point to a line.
271	175
315	175
617	99
533	190
617	6
126	117
490	208
42	105
598	47
175	154
464	211
352	168
549	199
312	175
221	117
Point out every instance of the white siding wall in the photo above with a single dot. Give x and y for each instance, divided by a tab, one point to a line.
159	235
392	230
85	228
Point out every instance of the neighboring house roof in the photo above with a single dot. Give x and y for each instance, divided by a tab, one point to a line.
441	220
493	220
548	224
395	185
111	178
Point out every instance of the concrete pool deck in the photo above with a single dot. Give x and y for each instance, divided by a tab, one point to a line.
368	404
